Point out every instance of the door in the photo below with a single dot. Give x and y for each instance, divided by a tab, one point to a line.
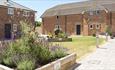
7	32
78	29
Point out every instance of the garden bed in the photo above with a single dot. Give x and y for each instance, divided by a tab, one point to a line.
28	52
61	64
60	40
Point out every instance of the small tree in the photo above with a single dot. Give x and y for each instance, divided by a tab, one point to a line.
38	23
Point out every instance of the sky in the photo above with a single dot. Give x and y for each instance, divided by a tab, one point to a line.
41	5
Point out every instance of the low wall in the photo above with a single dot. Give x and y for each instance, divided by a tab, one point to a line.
2	67
64	63
61	64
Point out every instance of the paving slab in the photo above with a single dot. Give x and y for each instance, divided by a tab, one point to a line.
102	59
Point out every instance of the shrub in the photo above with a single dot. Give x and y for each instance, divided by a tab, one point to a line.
94	35
58	54
27	52
26	65
108	30
38	23
44	56
9	62
61	35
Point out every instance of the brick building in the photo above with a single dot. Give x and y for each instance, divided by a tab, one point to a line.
81	18
11	14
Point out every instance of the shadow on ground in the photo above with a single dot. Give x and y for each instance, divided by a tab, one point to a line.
75	66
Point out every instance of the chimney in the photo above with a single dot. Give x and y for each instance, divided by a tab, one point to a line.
7	0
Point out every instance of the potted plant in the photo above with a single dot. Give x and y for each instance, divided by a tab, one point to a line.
111	35
108	30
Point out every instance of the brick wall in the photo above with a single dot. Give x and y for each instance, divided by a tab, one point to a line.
113	23
14	19
77	19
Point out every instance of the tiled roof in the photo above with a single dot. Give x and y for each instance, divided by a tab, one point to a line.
13	4
79	7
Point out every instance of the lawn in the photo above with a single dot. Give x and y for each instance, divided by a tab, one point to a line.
81	45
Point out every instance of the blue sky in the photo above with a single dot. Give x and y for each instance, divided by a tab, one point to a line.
41	5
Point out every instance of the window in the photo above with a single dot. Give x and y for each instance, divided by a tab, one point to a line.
26	13
97	26
14	27
97	12
91	26
57	17
57	26
10	11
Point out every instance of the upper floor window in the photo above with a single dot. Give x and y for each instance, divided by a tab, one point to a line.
91	26
57	17
14	27
97	12
98	26
26	13
10	11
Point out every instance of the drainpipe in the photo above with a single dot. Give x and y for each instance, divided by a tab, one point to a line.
110	19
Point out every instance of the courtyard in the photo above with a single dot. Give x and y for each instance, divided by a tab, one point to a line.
82	45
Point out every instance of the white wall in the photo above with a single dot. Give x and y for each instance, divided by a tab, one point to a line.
3	2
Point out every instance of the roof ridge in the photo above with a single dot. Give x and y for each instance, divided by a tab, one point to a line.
21	5
79	7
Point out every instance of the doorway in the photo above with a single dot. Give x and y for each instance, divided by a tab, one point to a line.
78	29
7	32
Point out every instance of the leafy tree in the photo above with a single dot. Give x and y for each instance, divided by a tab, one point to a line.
38	23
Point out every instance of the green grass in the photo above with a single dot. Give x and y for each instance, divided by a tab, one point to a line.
81	45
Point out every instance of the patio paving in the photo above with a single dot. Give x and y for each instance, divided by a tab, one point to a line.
102	59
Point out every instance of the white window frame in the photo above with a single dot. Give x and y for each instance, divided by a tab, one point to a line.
97	26
57	26
14	27
26	13
90	26
10	10
97	12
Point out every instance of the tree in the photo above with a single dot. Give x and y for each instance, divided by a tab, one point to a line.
38	23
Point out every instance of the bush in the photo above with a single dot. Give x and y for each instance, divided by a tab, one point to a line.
58	54
38	23
44	56
9	62
108	30
27	52
60	34
26	65
94	35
